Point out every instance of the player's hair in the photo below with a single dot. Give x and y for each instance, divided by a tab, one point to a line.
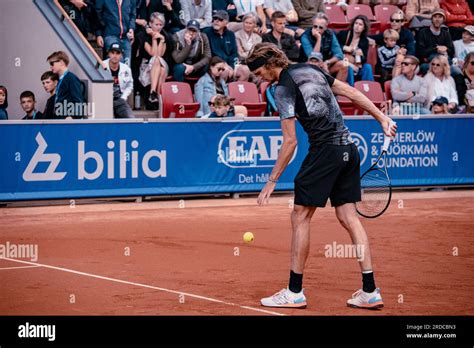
366	25
159	16
59	55
273	56
277	15
49	75
27	94
391	34
320	15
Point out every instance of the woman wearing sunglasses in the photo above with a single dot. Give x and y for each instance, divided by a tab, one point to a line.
210	84
439	83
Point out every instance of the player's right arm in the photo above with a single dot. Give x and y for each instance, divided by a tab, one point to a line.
359	99
288	128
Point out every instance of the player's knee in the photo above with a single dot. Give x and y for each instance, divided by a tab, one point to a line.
300	214
348	221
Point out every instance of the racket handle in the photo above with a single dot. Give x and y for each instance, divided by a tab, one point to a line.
387	139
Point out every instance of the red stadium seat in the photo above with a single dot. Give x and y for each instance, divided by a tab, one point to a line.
337	18
372	90
360	9
246	94
383	14
177	100
263	89
346	106
372	59
387	89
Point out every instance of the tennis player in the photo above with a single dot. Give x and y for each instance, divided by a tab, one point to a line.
331	168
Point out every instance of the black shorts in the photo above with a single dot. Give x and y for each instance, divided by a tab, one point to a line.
329	171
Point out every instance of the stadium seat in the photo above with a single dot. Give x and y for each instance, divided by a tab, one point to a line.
372	59
372	90
263	88
387	89
337	18
346	106
177	100
360	9
246	94
383	14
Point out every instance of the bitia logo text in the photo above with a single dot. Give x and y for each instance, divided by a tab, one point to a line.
120	159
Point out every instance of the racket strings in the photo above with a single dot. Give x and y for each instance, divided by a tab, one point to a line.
376	193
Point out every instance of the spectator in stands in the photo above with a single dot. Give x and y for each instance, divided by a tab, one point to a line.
226	5
251	6
50	81
28	104
355	45
116	23
439	83
191	52
3	103
406	87
210	84
285	6
123	81
323	40
222	40
458	15
171	9
284	41
69	98
406	40
388	53
465	83
419	12
81	12
154	68
434	40
465	45
247	37
316	58
200	10
439	106
306	10
222	106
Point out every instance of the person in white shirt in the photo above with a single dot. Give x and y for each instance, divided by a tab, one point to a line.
200	10
439	83
247	37
465	45
244	7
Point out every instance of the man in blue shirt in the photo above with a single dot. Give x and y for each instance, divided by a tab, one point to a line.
222	40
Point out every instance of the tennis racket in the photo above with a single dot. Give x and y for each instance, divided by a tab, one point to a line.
376	186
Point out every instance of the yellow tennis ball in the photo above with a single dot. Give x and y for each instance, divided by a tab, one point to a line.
248	237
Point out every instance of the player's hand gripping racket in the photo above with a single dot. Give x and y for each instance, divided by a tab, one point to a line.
376	186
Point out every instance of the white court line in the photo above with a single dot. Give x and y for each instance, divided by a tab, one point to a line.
210	299
18	267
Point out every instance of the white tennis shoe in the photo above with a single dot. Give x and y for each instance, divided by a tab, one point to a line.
366	300
285	299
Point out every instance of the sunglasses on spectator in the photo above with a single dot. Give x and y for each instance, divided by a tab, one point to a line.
471	62
318	27
217	19
407	63
51	63
396	20
210	103
435	64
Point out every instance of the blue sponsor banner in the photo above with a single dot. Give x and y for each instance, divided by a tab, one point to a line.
94	159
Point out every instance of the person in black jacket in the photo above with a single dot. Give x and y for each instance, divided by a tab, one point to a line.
28	104
434	40
69	99
284	41
355	45
50	81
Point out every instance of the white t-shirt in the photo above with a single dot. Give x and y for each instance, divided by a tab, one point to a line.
461	49
246	6
284	6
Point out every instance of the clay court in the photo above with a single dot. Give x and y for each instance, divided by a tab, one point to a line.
182	258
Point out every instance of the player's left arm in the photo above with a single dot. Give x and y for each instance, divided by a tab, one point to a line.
288	127
341	88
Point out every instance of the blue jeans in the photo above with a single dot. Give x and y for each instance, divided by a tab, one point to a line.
179	69
364	74
126	47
